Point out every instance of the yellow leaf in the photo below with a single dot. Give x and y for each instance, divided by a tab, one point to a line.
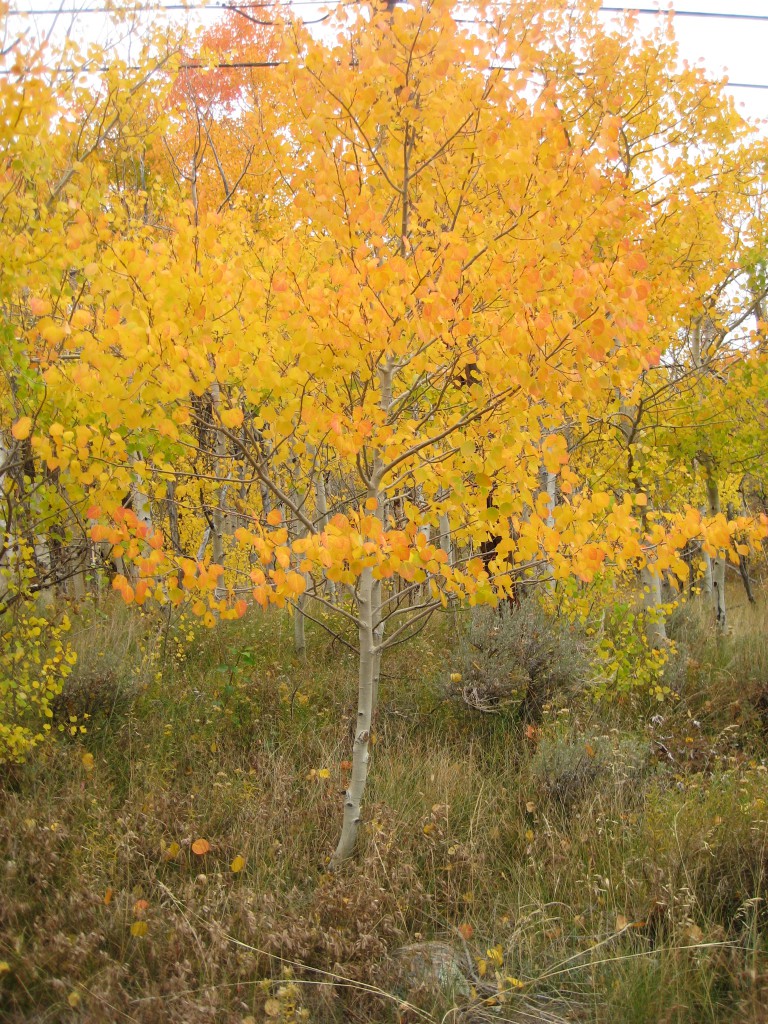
139	928
172	852
22	428
4	967
73	999
237	864
232	418
495	955
87	760
323	773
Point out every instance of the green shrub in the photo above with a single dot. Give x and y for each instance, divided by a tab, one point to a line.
35	661
518	657
566	766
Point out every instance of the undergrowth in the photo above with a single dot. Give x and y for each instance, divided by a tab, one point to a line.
604	863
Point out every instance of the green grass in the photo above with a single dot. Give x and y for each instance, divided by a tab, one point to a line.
614	858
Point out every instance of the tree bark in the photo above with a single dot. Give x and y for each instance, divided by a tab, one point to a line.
365	708
655	627
718	562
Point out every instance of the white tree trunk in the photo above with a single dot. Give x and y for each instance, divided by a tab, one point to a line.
217	516
444	525
718	562
370	633
549	487
655	627
299	621
365	708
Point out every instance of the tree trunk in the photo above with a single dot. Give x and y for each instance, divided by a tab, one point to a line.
370	634
365	708
549	487
655	627
219	511
718	562
299	632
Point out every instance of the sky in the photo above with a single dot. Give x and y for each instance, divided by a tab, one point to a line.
736	48
722	46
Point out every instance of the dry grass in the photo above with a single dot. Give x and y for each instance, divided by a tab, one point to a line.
592	870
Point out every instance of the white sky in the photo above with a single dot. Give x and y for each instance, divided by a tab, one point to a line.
736	48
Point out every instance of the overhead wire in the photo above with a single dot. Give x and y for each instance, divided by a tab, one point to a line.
256	4
266	4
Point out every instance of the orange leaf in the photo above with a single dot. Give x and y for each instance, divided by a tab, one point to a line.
201	847
22	428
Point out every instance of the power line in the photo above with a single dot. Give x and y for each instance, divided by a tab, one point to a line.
723	16
265	4
240	64
256	4
156	8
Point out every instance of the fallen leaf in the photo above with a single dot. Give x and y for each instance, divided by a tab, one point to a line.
200	847
87	760
621	922
107	897
73	999
139	928
237	864
466	931
694	933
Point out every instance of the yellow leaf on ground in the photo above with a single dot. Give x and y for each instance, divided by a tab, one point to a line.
237	864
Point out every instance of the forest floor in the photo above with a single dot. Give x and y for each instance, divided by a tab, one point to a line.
604	864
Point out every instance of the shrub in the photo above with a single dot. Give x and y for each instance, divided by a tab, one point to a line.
35	661
518	657
567	765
